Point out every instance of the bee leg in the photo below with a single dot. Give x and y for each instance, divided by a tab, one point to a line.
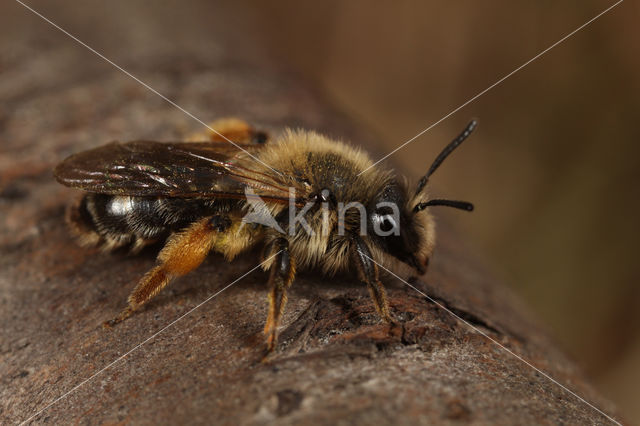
282	272
368	273
239	131
183	252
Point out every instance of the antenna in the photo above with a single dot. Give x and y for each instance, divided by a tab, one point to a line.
445	153
462	205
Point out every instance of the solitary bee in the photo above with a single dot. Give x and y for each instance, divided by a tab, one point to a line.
315	203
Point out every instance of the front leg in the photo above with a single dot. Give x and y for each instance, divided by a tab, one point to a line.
282	273
368	273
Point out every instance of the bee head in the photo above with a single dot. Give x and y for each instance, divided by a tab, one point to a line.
397	230
400	222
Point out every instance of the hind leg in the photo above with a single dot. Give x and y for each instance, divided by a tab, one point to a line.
183	253
234	129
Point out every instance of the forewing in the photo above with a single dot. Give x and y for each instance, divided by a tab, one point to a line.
182	169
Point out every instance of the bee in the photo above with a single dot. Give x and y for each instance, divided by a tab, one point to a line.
316	203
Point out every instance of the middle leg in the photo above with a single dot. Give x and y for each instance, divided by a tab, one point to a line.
282	273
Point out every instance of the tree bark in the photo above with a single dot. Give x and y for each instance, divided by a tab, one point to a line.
336	362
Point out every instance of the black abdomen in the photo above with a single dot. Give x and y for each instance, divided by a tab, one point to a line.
117	221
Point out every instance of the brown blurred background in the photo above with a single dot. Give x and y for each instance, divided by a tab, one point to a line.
553	168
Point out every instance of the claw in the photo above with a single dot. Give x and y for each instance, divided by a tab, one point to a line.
123	316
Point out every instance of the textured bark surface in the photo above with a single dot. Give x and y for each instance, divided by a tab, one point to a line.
336	363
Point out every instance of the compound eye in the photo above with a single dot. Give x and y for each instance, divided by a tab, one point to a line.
387	223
